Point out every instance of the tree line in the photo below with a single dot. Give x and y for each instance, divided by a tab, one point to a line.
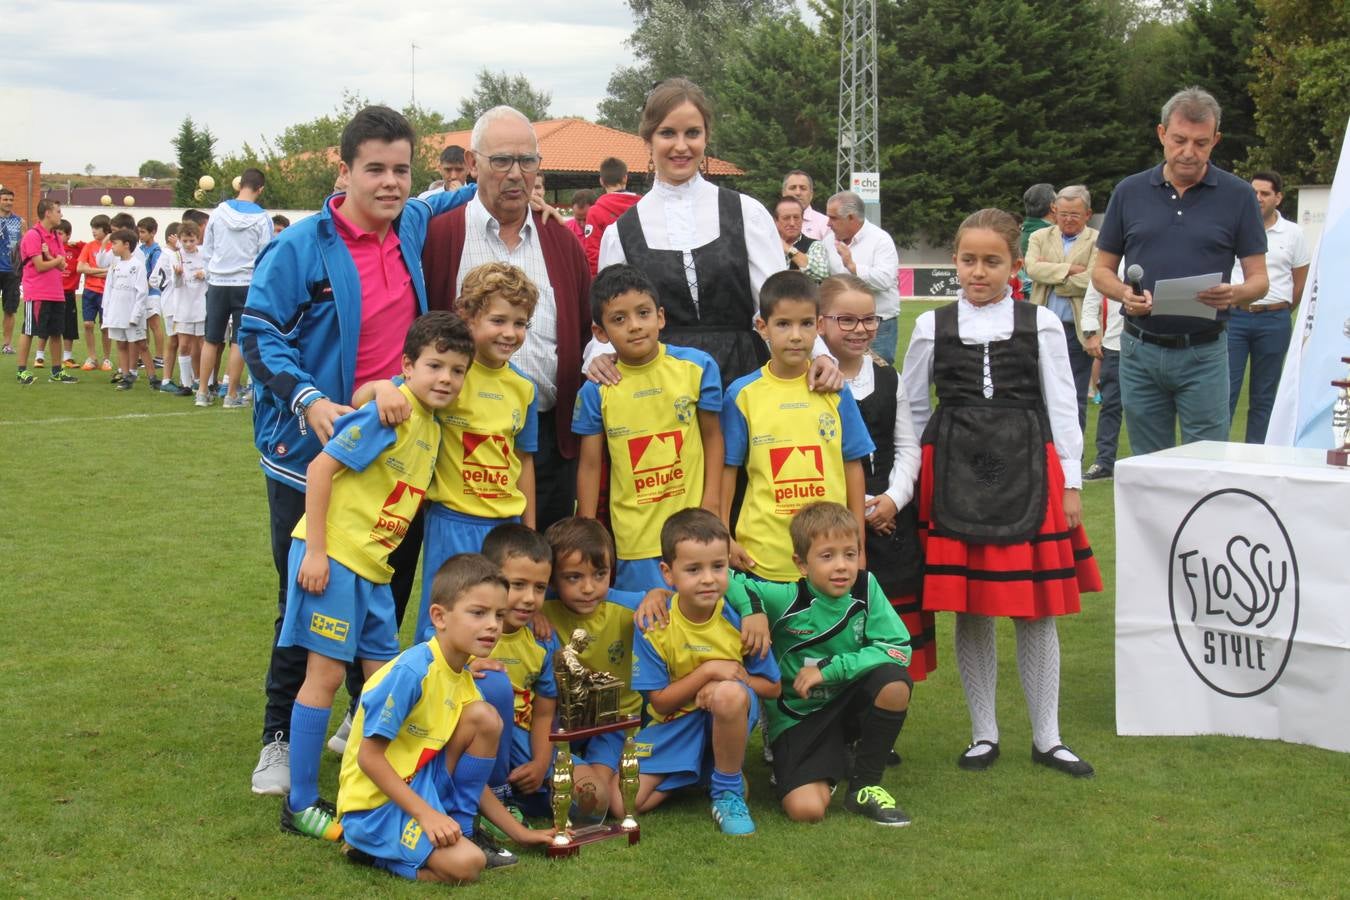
978	98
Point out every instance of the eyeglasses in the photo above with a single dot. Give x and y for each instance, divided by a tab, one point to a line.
502	162
851	323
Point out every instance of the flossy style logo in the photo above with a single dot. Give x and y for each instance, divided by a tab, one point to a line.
1233	589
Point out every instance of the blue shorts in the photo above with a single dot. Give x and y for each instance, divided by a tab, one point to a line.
640	575
352	619
391	835
446	533
681	749
601	750
91	305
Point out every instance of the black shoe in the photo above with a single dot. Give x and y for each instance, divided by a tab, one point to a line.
1078	768
894	759
497	856
358	857
1097	472
188	392
980	762
874	802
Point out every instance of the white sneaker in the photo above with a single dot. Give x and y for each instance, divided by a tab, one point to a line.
338	742
273	773
202	400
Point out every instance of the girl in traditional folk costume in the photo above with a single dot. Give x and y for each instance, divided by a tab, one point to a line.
1000	516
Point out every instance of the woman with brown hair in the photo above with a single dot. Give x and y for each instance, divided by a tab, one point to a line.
706	248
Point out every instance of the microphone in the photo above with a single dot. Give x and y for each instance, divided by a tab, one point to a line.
1135	274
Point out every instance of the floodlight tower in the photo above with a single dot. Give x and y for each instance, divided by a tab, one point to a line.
858	151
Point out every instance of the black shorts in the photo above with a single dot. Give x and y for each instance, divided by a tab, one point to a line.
44	319
9	292
814	749
224	303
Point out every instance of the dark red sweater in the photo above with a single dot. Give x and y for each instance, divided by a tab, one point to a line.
571	283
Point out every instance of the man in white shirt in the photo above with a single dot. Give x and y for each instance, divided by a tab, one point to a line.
1262	330
861	248
1102	324
802	186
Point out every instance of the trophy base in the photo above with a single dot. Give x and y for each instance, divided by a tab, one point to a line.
590	834
1339	457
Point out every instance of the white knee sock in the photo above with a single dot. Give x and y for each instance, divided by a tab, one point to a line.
977	659
1038	666
185	371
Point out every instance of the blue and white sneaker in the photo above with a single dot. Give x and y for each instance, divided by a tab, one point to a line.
732	815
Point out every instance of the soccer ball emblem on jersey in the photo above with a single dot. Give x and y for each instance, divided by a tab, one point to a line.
616	651
684	409
859	626
827	426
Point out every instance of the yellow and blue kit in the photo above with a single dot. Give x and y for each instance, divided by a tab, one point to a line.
793	443
657	468
477	484
679	745
415	702
374	499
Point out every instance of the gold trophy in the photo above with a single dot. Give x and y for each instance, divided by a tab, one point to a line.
588	705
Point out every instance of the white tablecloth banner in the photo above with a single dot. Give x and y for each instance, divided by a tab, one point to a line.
1233	594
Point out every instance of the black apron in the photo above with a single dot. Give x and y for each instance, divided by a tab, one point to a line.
989	456
894	559
721	322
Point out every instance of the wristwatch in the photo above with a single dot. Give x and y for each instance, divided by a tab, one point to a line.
1087	334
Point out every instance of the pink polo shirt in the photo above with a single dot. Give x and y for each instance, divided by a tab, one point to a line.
388	301
41	285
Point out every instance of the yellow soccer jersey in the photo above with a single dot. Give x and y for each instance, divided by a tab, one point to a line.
477	470
529	665
415	701
650	424
611	630
662	656
793	444
376	496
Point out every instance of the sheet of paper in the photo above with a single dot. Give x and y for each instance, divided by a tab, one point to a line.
1176	296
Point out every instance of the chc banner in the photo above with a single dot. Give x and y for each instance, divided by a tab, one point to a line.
1232	601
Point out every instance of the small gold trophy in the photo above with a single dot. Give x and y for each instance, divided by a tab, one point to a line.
588	705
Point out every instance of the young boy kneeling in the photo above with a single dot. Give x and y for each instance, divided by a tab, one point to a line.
701	693
846	653
412	782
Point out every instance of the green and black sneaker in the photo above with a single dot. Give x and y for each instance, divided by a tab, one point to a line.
877	804
317	821
24	376
62	377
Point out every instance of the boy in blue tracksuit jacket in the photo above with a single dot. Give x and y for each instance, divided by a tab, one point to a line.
300	333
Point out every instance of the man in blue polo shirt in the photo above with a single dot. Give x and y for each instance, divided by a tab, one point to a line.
1184	217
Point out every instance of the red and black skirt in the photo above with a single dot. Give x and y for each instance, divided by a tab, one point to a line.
1042	576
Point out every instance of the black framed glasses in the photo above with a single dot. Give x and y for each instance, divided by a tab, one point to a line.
502	162
851	323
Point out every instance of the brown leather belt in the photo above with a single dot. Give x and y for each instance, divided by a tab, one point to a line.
1282	306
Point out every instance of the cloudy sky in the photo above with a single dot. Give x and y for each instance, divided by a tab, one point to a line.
108	82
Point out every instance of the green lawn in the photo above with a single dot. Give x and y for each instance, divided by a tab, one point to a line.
138	608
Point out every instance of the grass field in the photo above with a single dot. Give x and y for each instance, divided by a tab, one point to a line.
138	599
